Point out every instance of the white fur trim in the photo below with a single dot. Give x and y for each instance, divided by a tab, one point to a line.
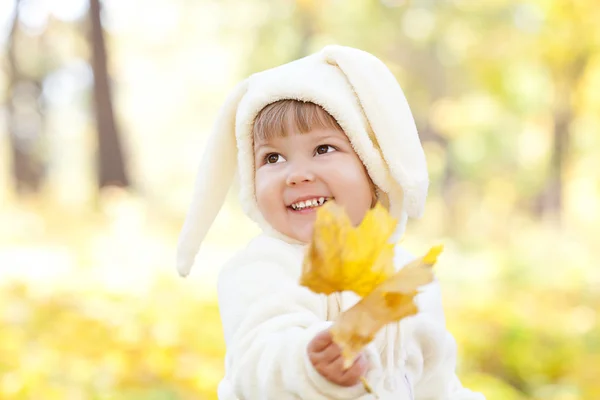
390	118
360	92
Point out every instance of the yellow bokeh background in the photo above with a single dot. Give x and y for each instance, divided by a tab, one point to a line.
91	306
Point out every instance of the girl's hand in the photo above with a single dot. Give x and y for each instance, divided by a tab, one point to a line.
326	357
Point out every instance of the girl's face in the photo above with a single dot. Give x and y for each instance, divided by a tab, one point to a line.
296	173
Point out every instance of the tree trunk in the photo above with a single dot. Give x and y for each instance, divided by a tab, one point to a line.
111	164
24	120
550	201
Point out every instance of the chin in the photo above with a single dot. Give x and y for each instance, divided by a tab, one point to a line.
303	234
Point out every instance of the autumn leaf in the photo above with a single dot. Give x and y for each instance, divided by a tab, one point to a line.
341	258
389	302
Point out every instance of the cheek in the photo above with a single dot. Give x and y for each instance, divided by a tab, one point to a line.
354	190
361	204
266	192
355	181
261	188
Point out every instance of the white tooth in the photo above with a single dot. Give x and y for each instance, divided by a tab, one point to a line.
314	202
302	204
294	206
321	200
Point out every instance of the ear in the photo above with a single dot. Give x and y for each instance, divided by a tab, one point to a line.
374	196
214	178
391	120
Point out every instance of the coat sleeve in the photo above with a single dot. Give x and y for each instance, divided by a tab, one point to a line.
430	350
268	320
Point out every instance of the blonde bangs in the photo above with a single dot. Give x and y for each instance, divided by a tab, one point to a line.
283	117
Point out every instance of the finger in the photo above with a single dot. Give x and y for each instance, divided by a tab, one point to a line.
333	371
320	341
352	375
328	355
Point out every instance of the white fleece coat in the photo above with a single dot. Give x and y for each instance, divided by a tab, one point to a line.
269	319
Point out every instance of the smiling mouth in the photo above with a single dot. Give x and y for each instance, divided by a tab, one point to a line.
309	204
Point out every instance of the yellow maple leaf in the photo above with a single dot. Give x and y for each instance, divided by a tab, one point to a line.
342	257
389	302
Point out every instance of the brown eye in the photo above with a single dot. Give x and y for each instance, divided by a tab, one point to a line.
324	148
272	158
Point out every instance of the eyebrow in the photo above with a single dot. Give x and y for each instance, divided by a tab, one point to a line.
262	145
317	137
330	136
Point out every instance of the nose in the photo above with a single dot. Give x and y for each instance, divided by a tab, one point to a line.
299	174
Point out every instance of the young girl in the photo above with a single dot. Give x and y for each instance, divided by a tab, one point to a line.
331	126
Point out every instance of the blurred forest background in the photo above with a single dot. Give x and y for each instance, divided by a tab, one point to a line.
104	110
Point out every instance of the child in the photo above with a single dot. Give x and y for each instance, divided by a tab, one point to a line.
333	125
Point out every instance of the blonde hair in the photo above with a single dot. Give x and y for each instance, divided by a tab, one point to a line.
283	117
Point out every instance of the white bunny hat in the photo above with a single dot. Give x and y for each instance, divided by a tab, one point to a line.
359	91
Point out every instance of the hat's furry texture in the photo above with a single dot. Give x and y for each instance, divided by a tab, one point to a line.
359	91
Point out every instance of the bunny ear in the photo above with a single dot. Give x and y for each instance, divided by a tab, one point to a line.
215	176
391	120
